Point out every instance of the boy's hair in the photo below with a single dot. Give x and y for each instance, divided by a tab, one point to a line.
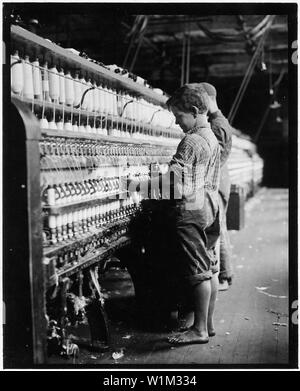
189	95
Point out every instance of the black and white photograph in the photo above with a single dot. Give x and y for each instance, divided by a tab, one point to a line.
149	198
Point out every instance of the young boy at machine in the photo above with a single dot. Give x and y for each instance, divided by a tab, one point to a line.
194	174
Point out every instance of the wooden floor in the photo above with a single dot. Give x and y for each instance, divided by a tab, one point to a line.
246	314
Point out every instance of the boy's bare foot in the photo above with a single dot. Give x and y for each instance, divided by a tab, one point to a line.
211	329
190	336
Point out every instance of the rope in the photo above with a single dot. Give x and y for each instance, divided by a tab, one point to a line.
263	120
188	58
16	62
135	32
183	59
137	50
83	96
247	78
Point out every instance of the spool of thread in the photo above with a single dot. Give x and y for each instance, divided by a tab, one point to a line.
93	215
69	89
100	99
107	101
88	128
16	74
59	228
83	88
75	216
52	226
88	216
79	215
45	82
104	101
90	93
68	126
114	99
75	223
52	125
44	123
93	129
75	127
70	225
60	125
65	226
28	79
97	215
51	196
101	209
53	84
120	104
84	220
52	221
111	101
37	79
96	98
80	223
67	190
77	196
72	192
99	129
62	89
81	128
77	90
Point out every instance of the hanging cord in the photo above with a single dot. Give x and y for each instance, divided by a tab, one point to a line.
124	107
263	120
186	56
246	79
188	59
136	31
183	59
263	30
243	86
16	62
261	25
83	96
140	41
270	68
133	34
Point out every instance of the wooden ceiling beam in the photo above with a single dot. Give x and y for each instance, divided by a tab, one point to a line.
200	74
195	31
218	50
216	23
200	36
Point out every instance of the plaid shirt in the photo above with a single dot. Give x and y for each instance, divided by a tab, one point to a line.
196	165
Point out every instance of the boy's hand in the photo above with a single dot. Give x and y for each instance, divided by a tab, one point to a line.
213	106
